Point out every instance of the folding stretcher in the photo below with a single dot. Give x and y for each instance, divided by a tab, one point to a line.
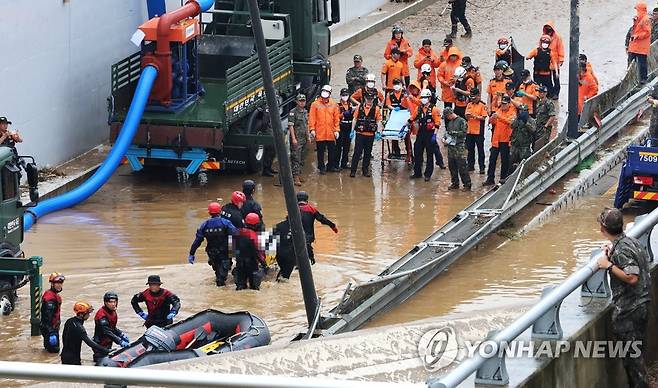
397	129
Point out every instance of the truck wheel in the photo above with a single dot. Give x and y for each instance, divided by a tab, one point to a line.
255	158
202	177
6	298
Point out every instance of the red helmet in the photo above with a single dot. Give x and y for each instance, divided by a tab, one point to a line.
252	219
238	197
214	208
545	39
503	40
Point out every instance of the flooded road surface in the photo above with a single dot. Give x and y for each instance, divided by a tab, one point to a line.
143	224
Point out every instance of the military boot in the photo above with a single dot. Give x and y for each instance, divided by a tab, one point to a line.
453	32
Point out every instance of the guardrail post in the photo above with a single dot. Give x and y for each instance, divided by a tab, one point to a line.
597	286
493	370
548	325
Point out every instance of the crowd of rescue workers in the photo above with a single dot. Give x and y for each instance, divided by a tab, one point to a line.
519	112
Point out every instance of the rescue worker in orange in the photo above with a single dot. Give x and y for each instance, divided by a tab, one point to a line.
504	51
495	91
371	86
476	117
587	86
445	53
392	69
324	126
398	41
427	56
394	102
528	92
543	63
557	58
472	72
462	91
582	58
446	76
411	102
640	39
368	126
428	120
500	141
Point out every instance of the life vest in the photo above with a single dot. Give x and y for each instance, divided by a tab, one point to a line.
425	118
112	318
460	97
375	100
395	101
543	61
155	303
51	296
216	237
346	118
366	123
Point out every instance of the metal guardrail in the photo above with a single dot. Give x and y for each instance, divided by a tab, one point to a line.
546	310
169	378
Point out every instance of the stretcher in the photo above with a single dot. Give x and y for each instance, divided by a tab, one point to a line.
396	129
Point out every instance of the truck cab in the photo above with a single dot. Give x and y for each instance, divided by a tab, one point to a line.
213	115
638	179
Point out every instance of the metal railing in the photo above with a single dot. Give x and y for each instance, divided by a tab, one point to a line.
546	308
169	378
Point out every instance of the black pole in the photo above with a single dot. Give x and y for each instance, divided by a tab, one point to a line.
574	48
294	217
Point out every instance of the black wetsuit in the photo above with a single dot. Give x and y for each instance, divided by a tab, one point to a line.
72	336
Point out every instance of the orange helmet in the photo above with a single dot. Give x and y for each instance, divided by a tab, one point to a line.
82	308
545	39
56	277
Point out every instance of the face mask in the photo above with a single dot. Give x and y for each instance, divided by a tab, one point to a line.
324	94
424	101
370	85
544	45
502	46
344	98
397	87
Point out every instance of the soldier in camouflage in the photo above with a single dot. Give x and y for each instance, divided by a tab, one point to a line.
627	262
455	141
355	76
298	127
523	129
546	118
654	24
653	101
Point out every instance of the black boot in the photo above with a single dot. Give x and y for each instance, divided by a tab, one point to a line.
468	32
453	32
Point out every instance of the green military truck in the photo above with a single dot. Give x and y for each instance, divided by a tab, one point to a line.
223	128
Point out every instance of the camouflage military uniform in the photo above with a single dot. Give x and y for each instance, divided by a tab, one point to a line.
545	110
654	30
456	131
299	120
355	78
653	125
630	314
521	140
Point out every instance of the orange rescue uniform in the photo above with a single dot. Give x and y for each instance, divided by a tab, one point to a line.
405	52
358	96
446	73
529	89
324	118
503	122
641	31
433	61
496	90
587	88
392	70
476	114
366	111
556	46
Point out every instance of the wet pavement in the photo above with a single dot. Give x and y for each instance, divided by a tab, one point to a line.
141	224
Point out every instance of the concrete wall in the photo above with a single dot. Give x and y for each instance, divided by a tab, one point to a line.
55	70
352	9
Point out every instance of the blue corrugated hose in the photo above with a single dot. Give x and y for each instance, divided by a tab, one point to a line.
105	171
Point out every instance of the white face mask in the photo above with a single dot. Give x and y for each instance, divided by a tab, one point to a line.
397	87
544	45
370	85
344	98
502	46
424	100
324	94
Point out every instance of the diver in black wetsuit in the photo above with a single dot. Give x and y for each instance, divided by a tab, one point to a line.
74	333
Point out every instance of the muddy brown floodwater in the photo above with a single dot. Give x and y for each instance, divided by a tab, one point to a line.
141	224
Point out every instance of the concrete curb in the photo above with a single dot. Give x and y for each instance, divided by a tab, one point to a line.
69	184
379	25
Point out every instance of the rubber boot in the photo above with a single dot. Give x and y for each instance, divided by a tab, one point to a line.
453	32
296	180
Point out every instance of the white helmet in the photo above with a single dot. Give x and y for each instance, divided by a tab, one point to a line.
426	93
370	77
326	88
426	68
460	72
